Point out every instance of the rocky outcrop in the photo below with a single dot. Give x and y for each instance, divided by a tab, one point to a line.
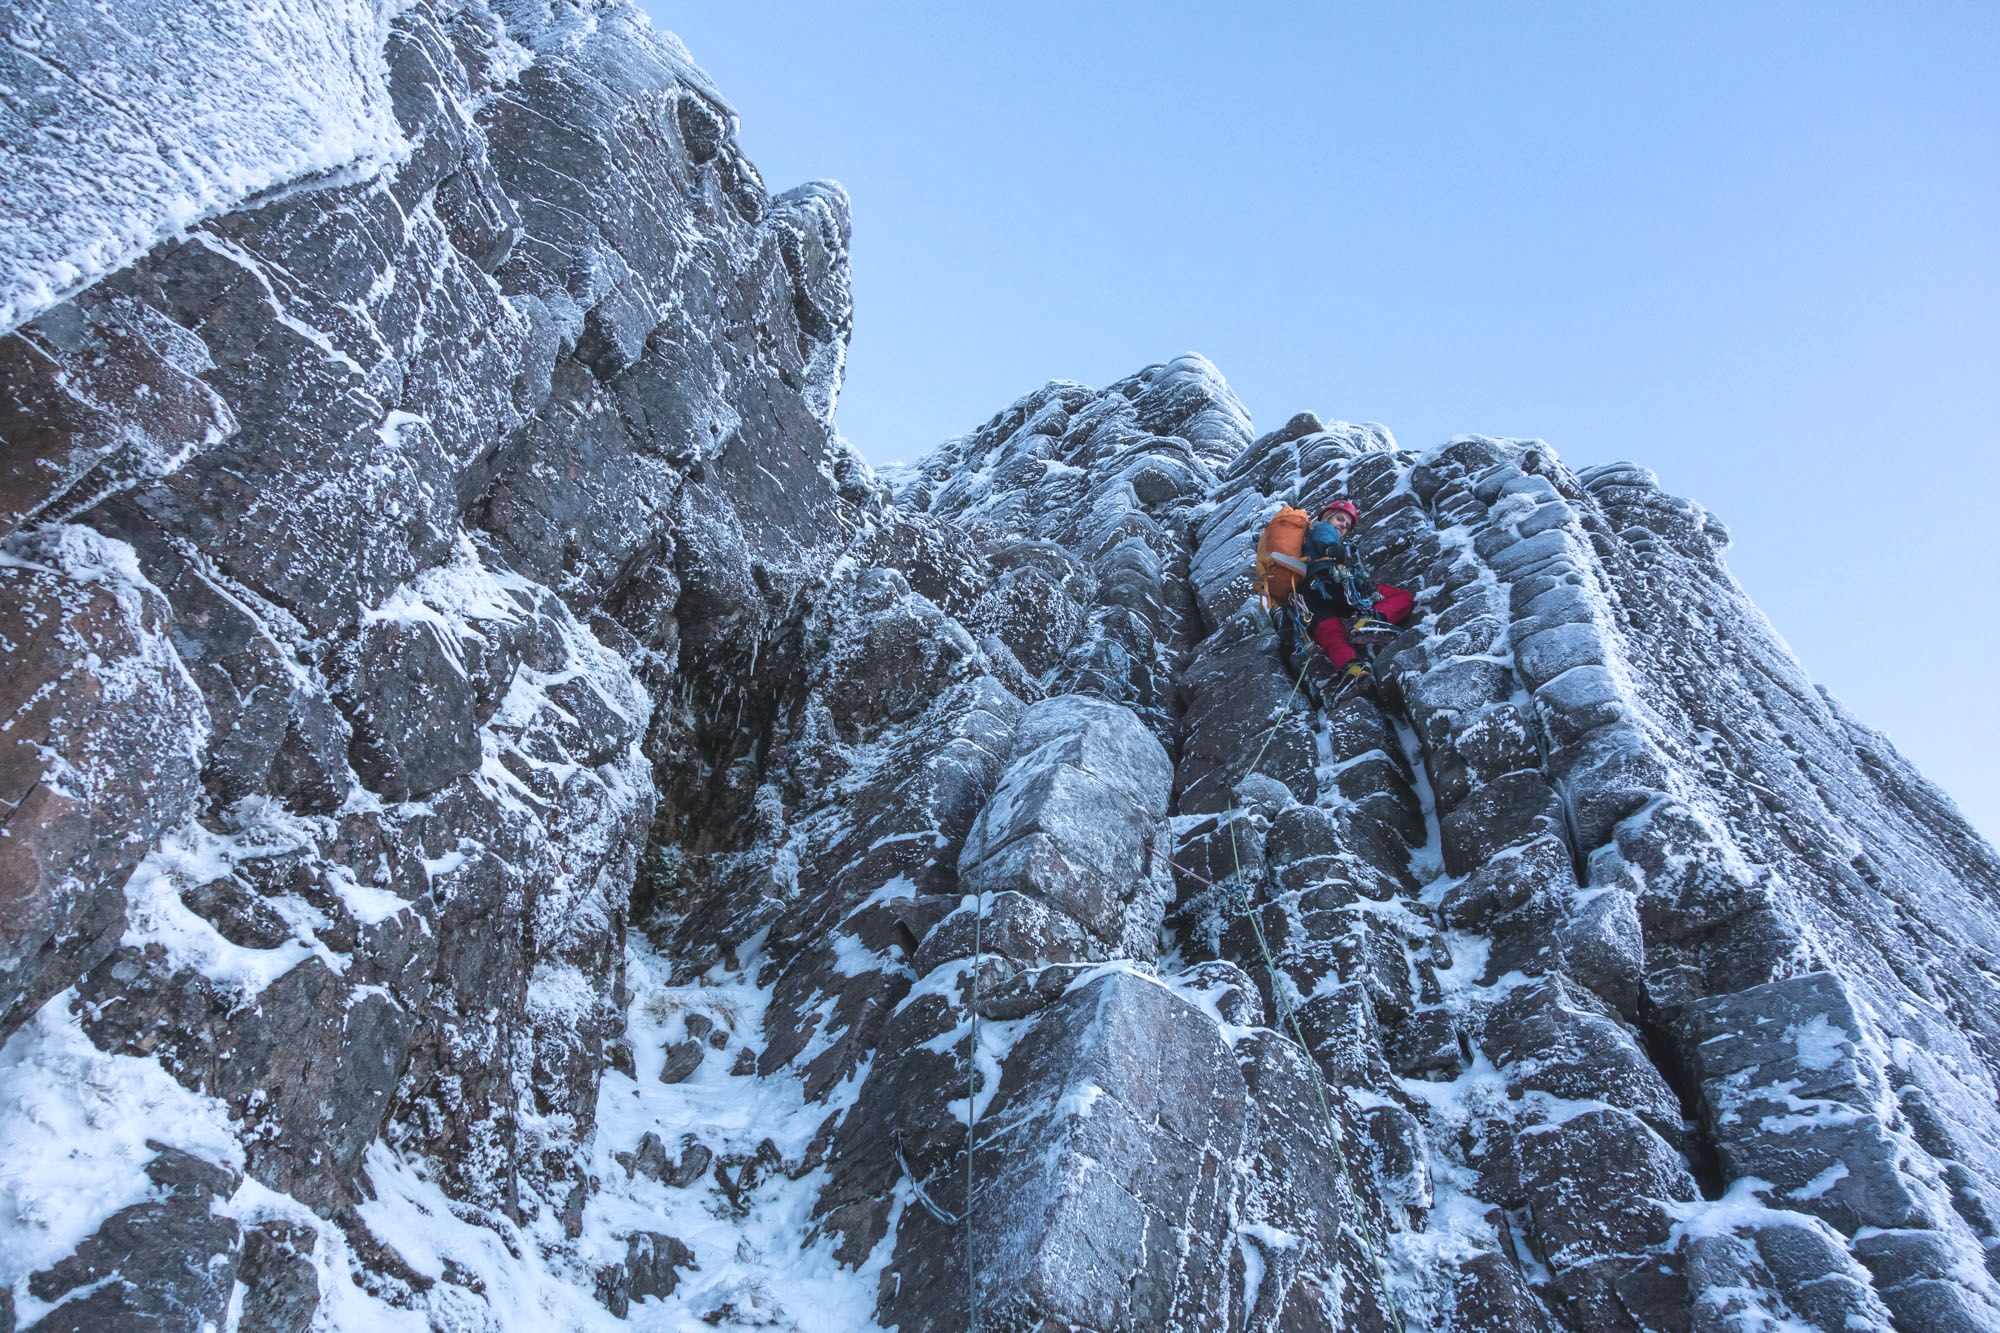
509	823
349	536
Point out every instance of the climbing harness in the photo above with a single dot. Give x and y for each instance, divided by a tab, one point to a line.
1292	620
1287	1014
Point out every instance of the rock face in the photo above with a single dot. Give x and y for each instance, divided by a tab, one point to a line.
509	823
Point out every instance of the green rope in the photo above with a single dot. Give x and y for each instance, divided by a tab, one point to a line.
972	1121
1291	1016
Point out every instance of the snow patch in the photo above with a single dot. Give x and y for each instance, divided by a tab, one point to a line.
1820	1044
192	856
749	1251
75	1124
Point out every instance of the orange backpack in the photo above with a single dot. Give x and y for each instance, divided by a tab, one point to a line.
1280	555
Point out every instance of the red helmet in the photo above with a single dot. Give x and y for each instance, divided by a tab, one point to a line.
1340	507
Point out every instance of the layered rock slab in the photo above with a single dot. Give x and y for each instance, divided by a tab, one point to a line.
395	542
463	541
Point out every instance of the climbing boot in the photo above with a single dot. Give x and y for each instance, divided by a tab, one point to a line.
1371	629
1351	683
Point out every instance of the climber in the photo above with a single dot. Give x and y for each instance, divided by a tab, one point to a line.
1344	604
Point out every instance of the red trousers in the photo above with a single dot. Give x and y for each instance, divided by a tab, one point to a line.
1391	604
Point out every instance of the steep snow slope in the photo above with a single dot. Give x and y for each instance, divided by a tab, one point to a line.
510	825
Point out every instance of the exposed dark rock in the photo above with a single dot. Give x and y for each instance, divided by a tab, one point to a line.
648	1159
94	698
412	710
1559	1040
694	1162
309	1060
610	1287
1488	1295
170	1262
1081	1185
1512	810
422	567
280	1283
1790	1100
1600	1187
683	1058
653	1263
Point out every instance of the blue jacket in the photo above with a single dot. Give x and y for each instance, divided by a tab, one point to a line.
1334	567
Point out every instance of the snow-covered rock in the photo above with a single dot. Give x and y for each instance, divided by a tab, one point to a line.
510	824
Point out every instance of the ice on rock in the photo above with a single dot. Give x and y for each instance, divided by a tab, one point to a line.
131	122
102	733
508	822
1076	822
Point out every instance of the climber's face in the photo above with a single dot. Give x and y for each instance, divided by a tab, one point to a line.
1343	522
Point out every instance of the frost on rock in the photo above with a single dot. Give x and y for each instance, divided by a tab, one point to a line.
333	740
129	122
509	823
87	1137
100	746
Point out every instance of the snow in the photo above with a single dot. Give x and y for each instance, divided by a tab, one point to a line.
1263	1239
896	887
75	1124
1820	1044
204	109
505	1277
1079	1101
852	958
454	596
82	554
144	119
1821	1183
137	680
194	855
756	1261
415	1218
1253	1272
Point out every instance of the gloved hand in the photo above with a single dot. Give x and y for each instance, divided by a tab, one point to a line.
1325	543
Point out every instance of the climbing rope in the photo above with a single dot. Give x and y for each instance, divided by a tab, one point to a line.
972	1119
1290	1015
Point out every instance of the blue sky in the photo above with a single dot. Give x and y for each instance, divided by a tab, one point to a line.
1754	247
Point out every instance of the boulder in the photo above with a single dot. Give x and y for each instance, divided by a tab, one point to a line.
1790	1095
170	1262
1103	1174
1075	823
